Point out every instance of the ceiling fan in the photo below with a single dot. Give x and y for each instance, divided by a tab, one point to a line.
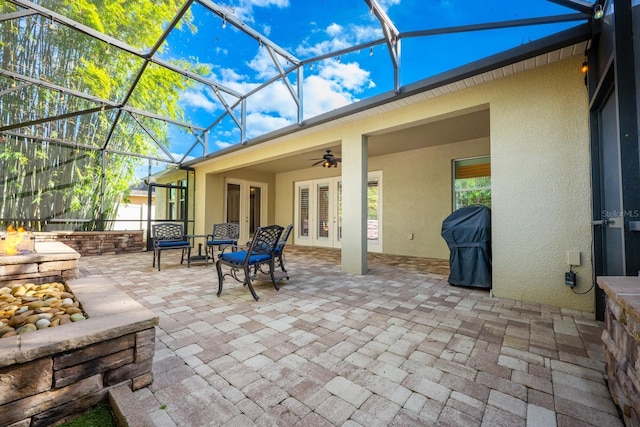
328	160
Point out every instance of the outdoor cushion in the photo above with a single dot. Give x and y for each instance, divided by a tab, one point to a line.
173	243
220	242
238	257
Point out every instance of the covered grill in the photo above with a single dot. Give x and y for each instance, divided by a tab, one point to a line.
467	232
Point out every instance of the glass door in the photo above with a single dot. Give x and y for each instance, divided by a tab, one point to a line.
318	212
245	206
303	214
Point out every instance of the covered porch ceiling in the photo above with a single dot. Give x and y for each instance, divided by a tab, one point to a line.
459	127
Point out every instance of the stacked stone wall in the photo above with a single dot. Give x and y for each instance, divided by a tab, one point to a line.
50	374
53	262
42	391
621	339
89	243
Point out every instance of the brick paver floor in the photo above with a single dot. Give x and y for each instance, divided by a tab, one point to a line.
395	347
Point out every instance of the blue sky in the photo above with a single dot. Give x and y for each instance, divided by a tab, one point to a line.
307	29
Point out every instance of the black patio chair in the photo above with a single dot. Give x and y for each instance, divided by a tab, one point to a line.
279	253
251	259
170	236
225	233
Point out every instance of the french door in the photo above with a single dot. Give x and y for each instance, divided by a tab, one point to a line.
318	212
246	206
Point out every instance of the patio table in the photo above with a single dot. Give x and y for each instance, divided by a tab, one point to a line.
199	256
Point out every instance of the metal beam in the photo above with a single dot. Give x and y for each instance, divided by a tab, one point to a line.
16	15
344	51
163	118
153	137
229	17
572	17
54	118
283	76
196	77
178	16
13	89
83	146
79	27
113	42
56	87
392	36
579	5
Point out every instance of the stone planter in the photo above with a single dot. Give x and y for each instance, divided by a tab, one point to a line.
621	339
89	243
52	373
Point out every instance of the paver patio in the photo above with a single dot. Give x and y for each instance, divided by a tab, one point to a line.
397	347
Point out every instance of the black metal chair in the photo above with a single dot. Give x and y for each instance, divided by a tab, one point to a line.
225	233
259	253
279	253
170	236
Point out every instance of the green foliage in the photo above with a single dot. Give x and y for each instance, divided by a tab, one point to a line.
473	191
43	179
372	202
99	416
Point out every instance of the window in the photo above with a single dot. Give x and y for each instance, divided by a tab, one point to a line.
177	201
182	203
172	204
472	182
303	211
373	209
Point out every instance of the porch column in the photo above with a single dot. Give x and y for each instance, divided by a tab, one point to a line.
354	204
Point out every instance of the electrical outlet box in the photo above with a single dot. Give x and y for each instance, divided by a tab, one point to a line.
573	257
570	279
411	236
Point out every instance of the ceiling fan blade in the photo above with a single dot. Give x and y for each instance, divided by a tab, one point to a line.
318	163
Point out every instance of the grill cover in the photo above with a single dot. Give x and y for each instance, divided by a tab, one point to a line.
467	232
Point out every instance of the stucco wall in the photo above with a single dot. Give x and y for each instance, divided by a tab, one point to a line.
539	145
418	196
541	185
211	198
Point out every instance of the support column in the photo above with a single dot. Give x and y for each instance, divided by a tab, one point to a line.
354	204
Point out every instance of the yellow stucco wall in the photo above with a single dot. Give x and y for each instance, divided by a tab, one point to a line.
541	196
418	196
539	146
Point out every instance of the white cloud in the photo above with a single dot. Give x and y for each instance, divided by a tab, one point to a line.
340	38
322	95
262	64
348	76
222	144
267	3
386	4
273	99
198	100
259	124
334	29
329	86
243	9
